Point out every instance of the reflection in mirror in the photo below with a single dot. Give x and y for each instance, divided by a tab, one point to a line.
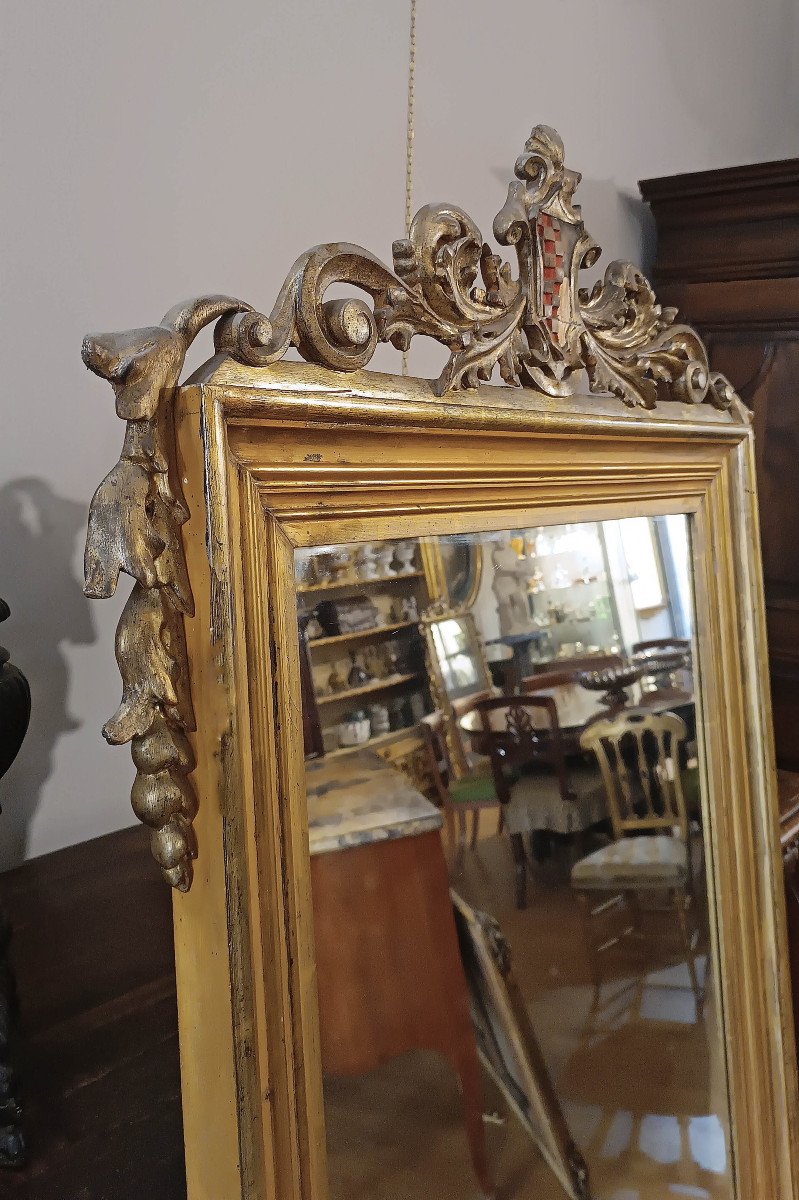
457	656
461	569
516	974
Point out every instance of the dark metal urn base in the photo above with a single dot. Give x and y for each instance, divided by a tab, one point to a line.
12	1142
15	708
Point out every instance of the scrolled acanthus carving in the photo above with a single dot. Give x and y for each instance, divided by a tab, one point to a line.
538	328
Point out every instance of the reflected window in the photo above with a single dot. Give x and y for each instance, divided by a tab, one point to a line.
457	656
646	585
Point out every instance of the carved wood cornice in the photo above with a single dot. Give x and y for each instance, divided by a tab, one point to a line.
538	327
727	225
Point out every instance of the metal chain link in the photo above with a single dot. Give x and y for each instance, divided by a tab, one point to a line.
409	132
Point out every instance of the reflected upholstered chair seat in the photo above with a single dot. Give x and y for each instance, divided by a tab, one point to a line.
658	861
537	802
475	788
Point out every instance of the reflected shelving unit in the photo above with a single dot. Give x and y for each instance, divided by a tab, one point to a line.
361	649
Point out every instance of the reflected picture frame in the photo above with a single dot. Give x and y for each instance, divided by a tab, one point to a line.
222	478
448	700
509	1048
459	571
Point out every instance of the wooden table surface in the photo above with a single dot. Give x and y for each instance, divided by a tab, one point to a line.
98	1054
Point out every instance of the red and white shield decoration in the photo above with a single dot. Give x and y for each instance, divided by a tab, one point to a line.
552	248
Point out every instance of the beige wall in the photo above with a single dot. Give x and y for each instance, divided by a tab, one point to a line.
156	149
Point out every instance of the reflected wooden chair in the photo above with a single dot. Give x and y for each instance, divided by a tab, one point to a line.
466	790
539	787
584	773
638	756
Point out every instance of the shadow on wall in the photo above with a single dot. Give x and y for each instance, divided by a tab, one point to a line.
48	610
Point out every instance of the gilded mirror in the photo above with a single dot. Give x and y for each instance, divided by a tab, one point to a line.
437	934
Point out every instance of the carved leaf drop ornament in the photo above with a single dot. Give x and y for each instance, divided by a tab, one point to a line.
537	327
134	526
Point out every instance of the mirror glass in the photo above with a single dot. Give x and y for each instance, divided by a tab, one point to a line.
516	964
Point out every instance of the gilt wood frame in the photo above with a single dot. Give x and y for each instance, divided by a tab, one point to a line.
219	481
278	458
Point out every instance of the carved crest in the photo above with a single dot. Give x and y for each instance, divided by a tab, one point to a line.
539	329
536	327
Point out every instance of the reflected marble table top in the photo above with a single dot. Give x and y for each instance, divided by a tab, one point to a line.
577	706
359	800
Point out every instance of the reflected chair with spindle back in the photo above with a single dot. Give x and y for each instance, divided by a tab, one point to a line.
638	756
537	785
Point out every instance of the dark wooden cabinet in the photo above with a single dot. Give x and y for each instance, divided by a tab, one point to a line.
728	258
788	792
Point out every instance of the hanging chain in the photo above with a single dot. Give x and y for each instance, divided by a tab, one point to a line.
409	141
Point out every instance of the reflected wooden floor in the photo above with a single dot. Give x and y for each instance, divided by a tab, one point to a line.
99	1056
641	1083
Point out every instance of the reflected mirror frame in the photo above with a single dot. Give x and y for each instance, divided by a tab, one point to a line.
262	468
441	570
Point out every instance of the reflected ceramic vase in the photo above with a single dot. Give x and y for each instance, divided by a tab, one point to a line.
378	718
339	565
336	681
358	675
355	729
405	553
366	562
385	555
